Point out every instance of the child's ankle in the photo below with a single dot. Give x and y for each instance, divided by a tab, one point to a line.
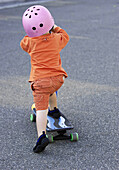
41	134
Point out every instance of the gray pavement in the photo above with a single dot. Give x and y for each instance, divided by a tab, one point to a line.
89	97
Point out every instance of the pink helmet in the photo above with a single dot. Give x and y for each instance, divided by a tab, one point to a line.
37	21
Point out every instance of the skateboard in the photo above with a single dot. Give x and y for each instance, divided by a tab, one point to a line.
60	125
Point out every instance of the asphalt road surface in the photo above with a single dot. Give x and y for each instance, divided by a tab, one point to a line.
89	97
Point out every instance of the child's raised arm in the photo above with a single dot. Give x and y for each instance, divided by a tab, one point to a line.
64	37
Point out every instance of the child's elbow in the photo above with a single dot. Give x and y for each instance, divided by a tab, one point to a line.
66	38
23	46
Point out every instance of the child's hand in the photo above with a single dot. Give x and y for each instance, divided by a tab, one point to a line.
55	26
53	30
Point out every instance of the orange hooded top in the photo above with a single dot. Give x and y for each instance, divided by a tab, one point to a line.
45	53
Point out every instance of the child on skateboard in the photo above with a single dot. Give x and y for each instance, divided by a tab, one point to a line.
43	42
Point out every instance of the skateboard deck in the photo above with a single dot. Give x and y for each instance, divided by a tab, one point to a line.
60	125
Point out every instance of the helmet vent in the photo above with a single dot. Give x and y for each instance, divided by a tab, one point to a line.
31	10
38	9
26	14
30	16
36	14
33	28
41	25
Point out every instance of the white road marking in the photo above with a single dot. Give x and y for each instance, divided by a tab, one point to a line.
23	4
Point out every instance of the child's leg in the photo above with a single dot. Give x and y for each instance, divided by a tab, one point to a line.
41	121
53	101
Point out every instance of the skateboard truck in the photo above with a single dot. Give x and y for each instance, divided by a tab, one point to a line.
63	136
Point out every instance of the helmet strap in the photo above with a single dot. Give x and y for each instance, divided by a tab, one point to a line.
51	29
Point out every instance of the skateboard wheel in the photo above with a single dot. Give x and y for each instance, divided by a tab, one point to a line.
33	118
50	139
33	106
74	136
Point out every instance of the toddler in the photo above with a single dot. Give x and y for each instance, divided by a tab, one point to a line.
43	42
